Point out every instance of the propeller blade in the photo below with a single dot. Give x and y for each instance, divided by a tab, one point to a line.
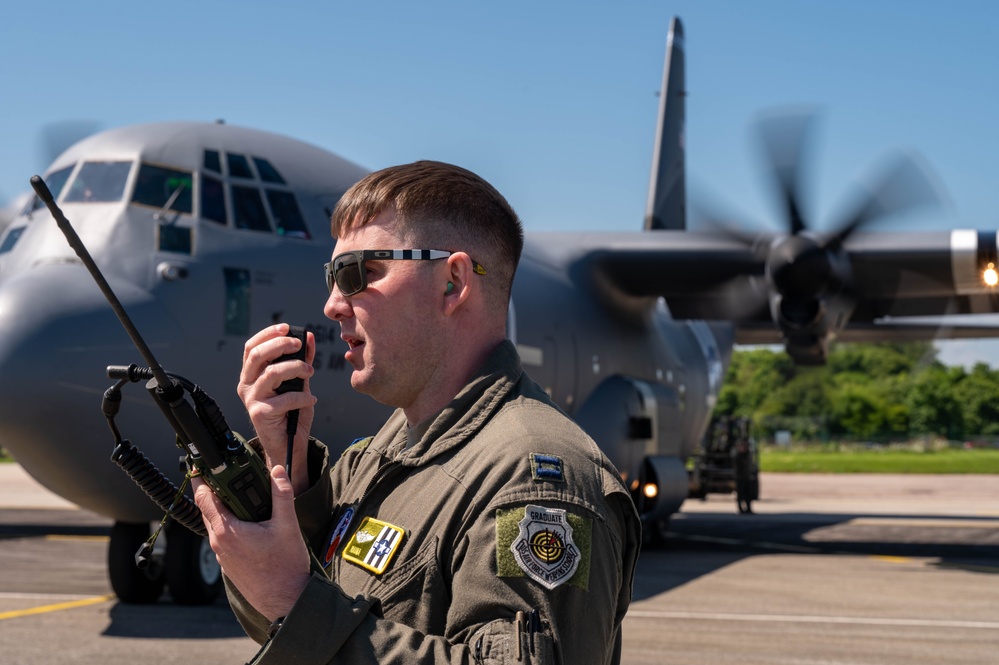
708	217
746	298
784	136
905	183
56	137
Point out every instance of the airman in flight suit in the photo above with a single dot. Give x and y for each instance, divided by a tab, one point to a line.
480	524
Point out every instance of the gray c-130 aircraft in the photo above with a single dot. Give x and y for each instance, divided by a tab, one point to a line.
209	232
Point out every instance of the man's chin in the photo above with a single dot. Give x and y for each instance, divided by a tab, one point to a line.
361	382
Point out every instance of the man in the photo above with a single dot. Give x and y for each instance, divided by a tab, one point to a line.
480	523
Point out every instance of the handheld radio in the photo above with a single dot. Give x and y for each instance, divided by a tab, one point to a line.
233	470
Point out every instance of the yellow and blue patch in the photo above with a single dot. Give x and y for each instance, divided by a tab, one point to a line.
373	545
359	444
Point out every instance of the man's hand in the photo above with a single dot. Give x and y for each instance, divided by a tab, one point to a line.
268	411
267	561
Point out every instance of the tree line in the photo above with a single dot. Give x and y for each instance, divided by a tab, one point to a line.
869	392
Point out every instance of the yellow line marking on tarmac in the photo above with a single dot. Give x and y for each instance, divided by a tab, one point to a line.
893	559
54	536
96	600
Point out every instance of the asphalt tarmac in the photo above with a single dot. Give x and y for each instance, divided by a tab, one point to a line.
829	570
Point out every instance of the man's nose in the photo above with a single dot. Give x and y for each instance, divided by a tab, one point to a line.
337	306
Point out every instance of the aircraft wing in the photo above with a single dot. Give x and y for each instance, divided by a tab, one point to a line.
886	286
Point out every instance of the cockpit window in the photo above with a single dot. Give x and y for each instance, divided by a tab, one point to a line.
163	188
55	181
11	239
267	171
248	209
99	182
212	161
287	215
238	166
212	199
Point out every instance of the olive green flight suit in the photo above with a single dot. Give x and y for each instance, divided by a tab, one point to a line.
504	506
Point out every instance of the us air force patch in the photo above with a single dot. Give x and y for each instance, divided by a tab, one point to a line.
544	548
373	545
338	533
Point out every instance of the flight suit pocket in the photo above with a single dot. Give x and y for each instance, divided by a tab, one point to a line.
415	594
501	641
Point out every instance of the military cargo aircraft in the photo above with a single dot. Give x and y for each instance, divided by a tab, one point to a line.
209	232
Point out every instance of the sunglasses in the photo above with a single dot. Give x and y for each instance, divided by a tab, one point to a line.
347	271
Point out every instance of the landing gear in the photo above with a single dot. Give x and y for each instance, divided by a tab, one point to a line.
181	559
192	571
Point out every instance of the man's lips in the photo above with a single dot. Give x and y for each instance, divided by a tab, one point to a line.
353	343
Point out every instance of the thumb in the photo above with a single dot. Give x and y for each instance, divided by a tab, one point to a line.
208	503
282	494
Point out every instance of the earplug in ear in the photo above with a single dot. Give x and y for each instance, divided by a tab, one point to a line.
450	288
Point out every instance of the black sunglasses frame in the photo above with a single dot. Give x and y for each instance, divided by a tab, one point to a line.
333	270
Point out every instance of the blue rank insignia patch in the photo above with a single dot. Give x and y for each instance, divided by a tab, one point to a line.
547	467
544	548
373	545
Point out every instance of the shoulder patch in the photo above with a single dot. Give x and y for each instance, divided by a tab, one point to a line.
547	467
373	545
550	545
359	444
336	536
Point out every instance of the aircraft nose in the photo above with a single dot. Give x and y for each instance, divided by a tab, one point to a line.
57	335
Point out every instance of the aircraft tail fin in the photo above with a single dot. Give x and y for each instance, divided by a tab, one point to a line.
667	205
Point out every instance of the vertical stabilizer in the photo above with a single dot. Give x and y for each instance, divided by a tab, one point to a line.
667	206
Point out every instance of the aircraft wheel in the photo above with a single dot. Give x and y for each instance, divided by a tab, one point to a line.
192	571
139	586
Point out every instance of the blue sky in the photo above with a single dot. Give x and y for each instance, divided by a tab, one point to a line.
554	102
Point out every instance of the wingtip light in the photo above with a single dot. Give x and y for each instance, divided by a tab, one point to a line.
990	276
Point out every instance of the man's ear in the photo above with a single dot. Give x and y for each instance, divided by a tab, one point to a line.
459	288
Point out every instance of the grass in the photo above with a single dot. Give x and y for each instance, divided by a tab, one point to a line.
857	459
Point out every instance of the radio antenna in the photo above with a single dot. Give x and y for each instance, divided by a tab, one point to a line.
42	190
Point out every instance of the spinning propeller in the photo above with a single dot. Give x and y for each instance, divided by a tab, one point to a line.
54	139
807	286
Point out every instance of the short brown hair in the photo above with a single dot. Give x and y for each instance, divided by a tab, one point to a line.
440	206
